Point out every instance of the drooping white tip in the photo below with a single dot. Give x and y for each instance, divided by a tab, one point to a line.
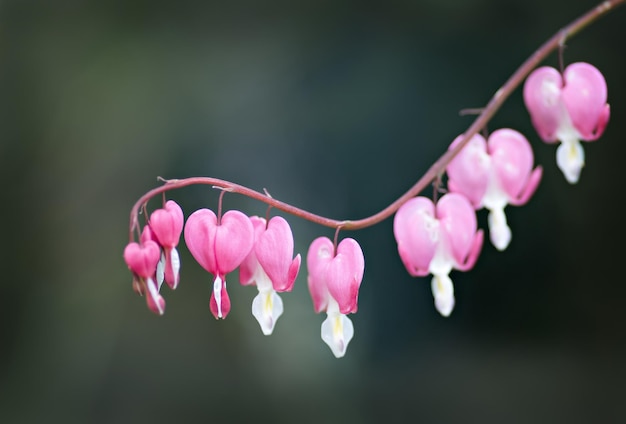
217	294
570	157
160	271
337	331
267	307
443	292
175	266
499	231
155	300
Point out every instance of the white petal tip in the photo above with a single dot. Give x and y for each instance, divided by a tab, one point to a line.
444	307
499	231
267	307
570	157
337	331
443	292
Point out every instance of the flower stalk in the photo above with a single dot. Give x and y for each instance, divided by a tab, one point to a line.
556	41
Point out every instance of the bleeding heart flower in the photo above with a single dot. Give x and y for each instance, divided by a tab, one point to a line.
142	260
436	239
271	267
334	280
219	247
493	174
167	226
568	108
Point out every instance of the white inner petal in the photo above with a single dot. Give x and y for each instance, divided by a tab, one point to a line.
443	292
153	292
337	330
442	262
175	264
217	294
267	307
499	231
160	271
431	224
570	157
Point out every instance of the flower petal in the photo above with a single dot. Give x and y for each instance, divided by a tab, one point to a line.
200	231
267	307
512	159
234	240
337	331
344	275
458	222
570	157
443	292
167	224
417	233
584	96
469	171
142	258
220	301
320	253
274	251
542	96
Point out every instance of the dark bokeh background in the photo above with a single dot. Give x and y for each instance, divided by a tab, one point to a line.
334	106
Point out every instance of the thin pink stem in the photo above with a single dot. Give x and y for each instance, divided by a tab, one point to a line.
435	171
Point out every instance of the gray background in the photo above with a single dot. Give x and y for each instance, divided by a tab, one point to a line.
336	107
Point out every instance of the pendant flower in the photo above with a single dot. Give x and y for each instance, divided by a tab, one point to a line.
436	239
167	226
271	267
142	260
334	280
568	108
493	174
219	246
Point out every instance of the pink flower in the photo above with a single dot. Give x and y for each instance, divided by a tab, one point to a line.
494	174
436	239
568	108
167	225
142	260
219	247
146	235
334	280
271	267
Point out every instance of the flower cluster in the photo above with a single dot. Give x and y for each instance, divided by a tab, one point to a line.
495	172
155	258
263	252
434	237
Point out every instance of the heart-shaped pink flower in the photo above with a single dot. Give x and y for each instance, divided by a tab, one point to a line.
274	251
142	258
337	275
167	224
219	248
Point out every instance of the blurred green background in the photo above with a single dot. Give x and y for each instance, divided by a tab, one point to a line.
334	106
